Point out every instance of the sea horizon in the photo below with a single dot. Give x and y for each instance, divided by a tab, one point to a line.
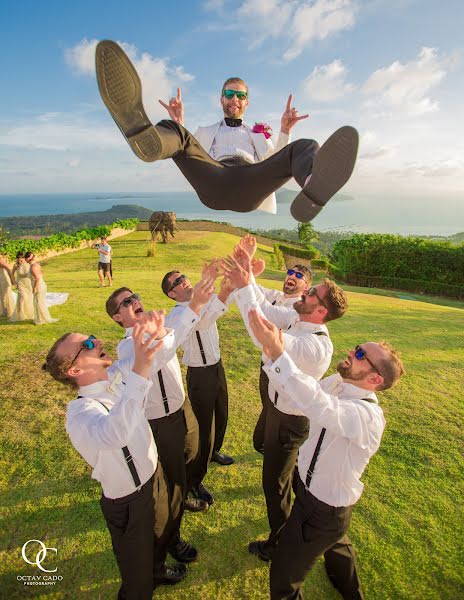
364	214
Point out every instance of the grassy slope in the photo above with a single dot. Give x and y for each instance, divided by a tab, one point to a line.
406	526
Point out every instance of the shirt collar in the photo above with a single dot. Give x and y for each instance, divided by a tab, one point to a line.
128	332
335	386
99	388
307	326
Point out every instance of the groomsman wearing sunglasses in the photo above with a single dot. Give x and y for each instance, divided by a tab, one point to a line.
106	424
165	404
298	278
308	343
206	379
346	428
242	172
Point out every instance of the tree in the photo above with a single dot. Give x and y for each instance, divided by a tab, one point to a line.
306	233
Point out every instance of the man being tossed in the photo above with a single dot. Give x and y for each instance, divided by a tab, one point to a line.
346	428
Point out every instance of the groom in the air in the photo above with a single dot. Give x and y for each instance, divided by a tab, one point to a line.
232	181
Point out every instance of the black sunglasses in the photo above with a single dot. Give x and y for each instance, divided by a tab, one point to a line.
313	292
176	282
87	344
360	354
297	274
128	301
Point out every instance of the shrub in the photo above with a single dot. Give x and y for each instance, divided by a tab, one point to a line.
411	263
320	263
279	257
62	241
307	253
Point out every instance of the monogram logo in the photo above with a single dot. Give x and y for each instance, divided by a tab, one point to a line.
39	557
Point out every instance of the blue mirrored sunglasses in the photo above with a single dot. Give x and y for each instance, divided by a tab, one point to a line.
87	344
360	354
297	274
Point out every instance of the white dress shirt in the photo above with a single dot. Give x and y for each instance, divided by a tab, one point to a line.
353	426
99	435
278	298
166	363
311	353
233	141
207	330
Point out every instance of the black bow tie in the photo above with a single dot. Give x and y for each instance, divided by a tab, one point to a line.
232	122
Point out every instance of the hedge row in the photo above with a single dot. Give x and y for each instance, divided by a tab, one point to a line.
308	253
418	286
62	241
400	258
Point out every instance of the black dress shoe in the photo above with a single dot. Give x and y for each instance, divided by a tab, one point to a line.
332	168
195	505
261	550
172	575
199	491
121	91
183	552
222	459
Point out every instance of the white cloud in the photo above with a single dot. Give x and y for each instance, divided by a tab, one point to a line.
159	78
298	22
405	88
81	57
317	21
327	82
74	162
60	132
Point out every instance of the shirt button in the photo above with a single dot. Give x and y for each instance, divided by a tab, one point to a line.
277	370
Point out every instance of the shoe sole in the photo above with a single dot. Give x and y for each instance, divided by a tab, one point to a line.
121	91
333	166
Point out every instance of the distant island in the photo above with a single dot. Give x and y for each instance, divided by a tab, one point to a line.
69	223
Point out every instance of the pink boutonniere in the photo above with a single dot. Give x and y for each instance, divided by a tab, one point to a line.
263	128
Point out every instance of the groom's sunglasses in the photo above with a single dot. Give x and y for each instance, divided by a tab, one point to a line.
297	274
229	94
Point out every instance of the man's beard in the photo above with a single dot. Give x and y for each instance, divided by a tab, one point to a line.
346	372
303	308
291	289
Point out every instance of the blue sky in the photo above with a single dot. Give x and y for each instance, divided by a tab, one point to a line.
393	69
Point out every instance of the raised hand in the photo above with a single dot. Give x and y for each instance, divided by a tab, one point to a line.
257	266
290	117
202	292
144	351
175	108
238	275
227	288
154	321
267	334
249	244
212	270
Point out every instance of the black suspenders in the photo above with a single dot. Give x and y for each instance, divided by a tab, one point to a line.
317	449
163	392
202	350
127	456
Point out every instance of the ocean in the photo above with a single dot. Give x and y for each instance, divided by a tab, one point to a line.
424	216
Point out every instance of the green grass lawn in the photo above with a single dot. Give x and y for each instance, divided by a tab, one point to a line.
407	527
